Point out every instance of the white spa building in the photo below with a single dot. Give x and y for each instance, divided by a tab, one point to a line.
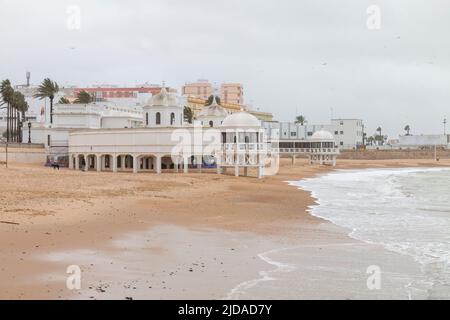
164	141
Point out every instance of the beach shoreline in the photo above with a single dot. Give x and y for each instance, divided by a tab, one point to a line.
196	236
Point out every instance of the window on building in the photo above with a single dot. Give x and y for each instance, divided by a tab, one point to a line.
342	123
172	119
293	134
310	134
146	118
158	118
336	133
211	124
342	132
342	143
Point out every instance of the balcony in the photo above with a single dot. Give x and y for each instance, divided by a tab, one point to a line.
307	151
245	147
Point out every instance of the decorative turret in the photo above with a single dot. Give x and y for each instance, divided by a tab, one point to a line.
163	110
212	115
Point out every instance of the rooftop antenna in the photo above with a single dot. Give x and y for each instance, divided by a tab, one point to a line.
28	78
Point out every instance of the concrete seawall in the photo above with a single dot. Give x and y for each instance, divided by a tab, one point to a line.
393	154
24	153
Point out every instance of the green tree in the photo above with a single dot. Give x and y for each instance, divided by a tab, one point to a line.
379	137
23	108
408	130
300	120
188	114
84	97
48	89
64	100
7	95
379	130
16	106
19	107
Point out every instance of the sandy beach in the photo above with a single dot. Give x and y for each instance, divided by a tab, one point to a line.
175	236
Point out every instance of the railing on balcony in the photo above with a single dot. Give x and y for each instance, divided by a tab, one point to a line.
307	150
246	147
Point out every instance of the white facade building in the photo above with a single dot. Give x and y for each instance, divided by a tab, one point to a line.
212	116
72	117
427	140
243	143
348	133
166	143
95	116
322	148
163	110
105	137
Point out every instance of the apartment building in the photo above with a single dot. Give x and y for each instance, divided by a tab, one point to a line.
348	133
231	93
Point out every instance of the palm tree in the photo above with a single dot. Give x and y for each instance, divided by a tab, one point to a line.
188	114
21	106
300	120
17	104
48	89
379	130
7	94
407	129
84	97
64	100
364	137
379	137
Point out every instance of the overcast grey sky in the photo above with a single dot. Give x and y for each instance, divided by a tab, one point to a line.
292	56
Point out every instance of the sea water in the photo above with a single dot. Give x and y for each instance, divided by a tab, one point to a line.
405	210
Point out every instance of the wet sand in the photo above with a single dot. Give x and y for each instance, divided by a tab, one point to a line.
175	236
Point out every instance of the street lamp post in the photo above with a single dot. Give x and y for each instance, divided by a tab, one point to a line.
29	132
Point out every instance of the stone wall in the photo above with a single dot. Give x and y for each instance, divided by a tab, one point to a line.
24	153
393	154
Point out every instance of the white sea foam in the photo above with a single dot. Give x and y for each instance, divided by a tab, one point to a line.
236	292
405	210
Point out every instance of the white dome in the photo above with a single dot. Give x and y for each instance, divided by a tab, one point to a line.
322	135
164	99
241	120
